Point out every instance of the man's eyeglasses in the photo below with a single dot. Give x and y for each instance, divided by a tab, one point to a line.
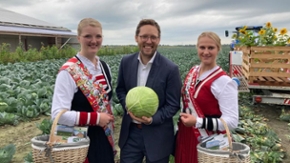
146	37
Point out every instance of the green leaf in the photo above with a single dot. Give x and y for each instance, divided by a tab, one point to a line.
42	92
238	137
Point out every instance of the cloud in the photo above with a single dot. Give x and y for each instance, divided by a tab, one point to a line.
12	3
181	21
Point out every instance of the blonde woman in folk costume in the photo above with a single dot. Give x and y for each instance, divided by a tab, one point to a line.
207	95
75	86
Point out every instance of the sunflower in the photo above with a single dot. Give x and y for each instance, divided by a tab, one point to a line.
262	31
268	35
268	24
283	31
243	31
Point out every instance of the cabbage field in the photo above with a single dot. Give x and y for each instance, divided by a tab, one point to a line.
27	87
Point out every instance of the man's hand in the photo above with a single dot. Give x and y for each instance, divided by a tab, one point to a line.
187	119
145	120
105	119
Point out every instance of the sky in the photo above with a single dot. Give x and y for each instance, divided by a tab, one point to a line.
181	21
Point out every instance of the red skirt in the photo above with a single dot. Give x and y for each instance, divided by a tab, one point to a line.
186	145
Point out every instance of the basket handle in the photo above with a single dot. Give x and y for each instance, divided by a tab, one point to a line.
55	121
228	134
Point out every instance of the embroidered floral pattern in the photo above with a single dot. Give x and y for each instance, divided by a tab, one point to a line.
94	91
188	87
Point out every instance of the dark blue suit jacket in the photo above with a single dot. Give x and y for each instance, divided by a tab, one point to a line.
164	79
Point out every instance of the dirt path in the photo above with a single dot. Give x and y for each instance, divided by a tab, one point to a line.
272	113
21	135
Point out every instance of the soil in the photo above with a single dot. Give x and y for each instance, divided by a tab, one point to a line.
281	128
21	134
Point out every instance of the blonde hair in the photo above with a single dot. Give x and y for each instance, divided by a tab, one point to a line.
88	22
212	36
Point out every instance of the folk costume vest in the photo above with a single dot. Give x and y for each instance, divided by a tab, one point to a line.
196	94
94	91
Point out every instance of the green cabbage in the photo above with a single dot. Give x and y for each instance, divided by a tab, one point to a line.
142	101
6	153
3	106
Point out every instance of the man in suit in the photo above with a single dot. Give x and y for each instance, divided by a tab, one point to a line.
149	137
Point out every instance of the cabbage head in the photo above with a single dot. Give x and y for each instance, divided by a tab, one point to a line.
142	101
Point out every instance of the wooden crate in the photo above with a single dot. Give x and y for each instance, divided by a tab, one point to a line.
267	65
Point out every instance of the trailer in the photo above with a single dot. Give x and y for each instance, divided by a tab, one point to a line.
263	71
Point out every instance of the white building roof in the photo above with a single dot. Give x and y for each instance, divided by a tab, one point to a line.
12	22
34	31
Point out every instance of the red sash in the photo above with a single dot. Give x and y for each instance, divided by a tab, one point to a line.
94	91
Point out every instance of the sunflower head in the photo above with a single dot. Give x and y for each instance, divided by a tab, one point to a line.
268	24
262	31
243	31
275	29
283	31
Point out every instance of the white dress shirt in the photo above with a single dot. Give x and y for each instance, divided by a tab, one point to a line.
143	72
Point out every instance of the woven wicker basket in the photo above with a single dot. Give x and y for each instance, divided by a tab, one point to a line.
46	150
237	153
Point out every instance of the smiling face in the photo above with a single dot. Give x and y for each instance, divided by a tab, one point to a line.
90	37
90	40
148	40
208	47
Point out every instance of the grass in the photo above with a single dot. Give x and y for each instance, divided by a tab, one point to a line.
52	52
